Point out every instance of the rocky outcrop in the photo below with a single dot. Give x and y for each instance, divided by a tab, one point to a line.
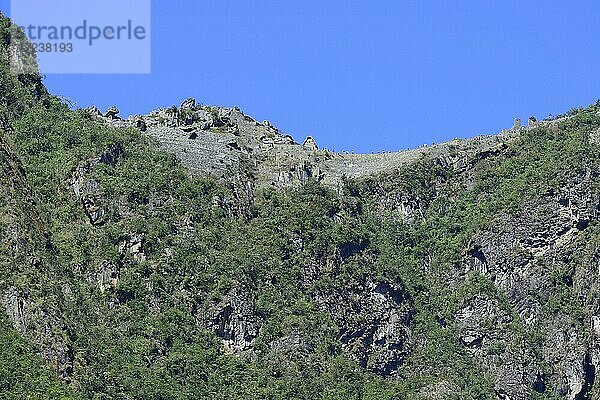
43	325
515	253
88	190
112	113
133	245
106	276
233	319
374	324
21	54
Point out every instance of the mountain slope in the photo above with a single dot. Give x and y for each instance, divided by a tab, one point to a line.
239	264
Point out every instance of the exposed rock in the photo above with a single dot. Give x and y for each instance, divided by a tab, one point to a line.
43	325
579	379
374	321
298	174
133	245
270	127
267	156
291	345
14	305
93	111
476	319
21	54
112	113
107	276
233	320
594	137
523	254
188	104
88	190
471	338
112	155
93	211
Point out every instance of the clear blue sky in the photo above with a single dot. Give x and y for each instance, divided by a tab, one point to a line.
364	76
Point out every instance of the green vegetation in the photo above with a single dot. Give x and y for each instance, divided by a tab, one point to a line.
23	374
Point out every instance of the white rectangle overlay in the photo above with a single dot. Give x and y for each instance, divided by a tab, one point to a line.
82	37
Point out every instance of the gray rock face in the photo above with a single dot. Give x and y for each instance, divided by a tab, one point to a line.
374	321
133	245
21	54
42	323
233	320
290	346
14	305
515	254
107	276
484	328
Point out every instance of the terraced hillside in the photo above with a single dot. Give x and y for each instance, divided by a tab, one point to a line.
219	142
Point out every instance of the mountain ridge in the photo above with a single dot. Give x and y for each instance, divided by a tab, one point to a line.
210	140
464	271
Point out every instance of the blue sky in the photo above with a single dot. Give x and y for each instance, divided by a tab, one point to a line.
363	76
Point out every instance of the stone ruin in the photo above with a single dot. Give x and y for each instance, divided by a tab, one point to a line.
310	144
517	124
532	121
223	142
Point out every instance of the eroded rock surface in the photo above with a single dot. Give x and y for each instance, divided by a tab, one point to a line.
374	324
234	320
